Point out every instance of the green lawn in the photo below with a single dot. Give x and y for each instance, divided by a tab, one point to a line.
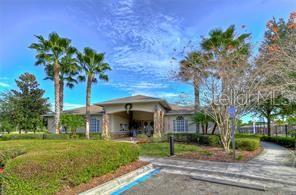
162	149
46	166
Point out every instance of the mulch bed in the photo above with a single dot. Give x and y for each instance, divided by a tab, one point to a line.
218	154
102	179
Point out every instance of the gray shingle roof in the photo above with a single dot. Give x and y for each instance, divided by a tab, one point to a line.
94	109
135	99
176	109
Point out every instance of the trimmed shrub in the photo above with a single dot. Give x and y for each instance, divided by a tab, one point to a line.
50	136
210	140
184	137
243	135
9	154
82	136
56	136
288	142
249	144
6	137
48	166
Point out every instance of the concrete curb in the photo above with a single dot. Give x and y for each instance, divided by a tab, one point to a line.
236	184
114	184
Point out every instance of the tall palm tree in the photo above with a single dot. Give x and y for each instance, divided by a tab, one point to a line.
192	68
52	52
220	44
69	69
94	68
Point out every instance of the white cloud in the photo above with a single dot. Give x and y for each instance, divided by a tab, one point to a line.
131	86
142	37
2	84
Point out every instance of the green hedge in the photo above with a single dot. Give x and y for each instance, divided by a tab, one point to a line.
211	140
249	144
6	137
288	142
184	137
50	136
48	166
243	141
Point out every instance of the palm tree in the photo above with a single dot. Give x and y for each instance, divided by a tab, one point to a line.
93	65
52	52
69	69
192	68
221	44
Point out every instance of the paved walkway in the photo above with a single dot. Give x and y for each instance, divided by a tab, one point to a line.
272	169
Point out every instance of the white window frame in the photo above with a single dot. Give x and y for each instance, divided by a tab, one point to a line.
180	124
95	125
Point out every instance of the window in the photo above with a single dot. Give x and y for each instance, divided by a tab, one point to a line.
94	125
180	125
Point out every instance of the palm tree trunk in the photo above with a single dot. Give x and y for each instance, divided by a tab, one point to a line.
88	93
196	97
57	97
61	96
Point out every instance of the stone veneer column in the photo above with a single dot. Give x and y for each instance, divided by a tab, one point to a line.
106	126
158	122
161	121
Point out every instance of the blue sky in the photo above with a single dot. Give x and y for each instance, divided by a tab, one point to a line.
139	38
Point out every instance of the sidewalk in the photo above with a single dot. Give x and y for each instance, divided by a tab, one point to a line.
268	170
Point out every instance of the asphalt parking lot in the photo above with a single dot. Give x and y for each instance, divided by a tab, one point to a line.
165	183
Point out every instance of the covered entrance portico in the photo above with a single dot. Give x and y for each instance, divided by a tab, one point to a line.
121	123
122	115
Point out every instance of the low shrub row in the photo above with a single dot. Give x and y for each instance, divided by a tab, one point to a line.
243	142
288	142
184	137
49	166
49	136
210	140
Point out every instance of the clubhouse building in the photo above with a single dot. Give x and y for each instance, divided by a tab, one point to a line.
118	116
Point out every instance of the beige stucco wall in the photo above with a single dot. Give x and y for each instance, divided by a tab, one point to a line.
51	125
116	119
143	116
